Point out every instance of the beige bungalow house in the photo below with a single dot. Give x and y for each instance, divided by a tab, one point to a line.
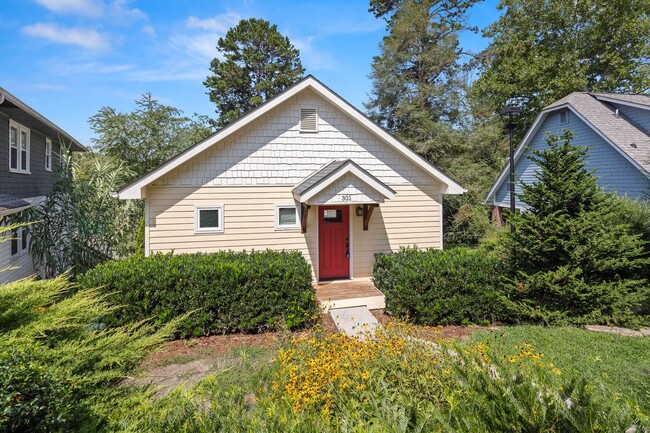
305	171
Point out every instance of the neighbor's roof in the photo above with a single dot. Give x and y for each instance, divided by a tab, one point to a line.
597	111
134	190
10	204
330	172
24	114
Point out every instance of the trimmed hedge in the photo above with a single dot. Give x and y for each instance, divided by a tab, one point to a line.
225	291
434	287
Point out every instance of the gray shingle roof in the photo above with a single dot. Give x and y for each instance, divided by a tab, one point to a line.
635	99
8	202
634	142
319	175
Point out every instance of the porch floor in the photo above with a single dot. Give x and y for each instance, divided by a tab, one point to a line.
349	293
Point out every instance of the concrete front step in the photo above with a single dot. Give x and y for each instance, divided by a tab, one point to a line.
357	322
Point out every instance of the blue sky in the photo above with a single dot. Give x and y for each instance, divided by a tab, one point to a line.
68	58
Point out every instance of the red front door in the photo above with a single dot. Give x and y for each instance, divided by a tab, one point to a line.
333	242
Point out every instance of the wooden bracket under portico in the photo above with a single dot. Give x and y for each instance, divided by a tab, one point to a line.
341	182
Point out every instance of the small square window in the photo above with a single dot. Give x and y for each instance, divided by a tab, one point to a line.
286	217
209	219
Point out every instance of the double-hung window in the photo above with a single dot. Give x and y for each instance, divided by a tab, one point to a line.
19	241
48	154
18	148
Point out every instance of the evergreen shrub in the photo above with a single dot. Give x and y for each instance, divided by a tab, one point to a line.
440	287
572	258
224	291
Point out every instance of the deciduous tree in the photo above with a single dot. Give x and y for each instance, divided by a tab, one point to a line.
543	50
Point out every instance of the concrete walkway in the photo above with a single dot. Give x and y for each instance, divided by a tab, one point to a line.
355	322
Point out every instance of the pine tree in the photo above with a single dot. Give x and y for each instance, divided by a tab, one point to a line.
572	259
258	64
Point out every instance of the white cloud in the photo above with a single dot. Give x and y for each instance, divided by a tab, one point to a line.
83	37
117	10
149	30
219	23
313	59
120	11
92	8
199	36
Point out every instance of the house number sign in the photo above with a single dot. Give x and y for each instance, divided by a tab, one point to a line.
346	198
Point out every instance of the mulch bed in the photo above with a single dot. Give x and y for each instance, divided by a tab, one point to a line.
219	344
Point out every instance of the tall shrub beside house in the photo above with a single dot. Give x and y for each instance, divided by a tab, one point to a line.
571	258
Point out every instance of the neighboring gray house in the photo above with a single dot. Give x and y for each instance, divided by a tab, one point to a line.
28	167
615	127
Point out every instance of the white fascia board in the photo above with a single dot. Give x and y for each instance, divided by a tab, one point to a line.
533	130
133	191
611	143
621	102
452	186
519	150
348	168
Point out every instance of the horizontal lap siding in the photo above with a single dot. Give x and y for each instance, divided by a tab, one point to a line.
22	262
412	218
248	220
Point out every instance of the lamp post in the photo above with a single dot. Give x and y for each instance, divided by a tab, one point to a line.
510	111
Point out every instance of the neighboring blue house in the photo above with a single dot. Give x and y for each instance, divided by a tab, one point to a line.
615	127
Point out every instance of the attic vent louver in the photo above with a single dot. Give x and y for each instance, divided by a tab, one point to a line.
308	120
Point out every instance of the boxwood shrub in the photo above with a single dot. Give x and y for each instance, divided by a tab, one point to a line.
225	291
440	287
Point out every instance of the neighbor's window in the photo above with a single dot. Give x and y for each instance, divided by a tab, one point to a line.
19	241
564	116
18	148
48	154
209	219
286	217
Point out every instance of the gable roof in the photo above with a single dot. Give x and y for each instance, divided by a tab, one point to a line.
328	174
134	190
638	101
631	142
24	114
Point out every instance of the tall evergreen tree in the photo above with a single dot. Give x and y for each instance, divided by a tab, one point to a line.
572	258
417	80
258	64
543	50
420	93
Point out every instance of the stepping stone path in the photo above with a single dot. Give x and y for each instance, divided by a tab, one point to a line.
643	332
357	322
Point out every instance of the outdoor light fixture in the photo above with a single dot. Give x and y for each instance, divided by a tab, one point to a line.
510	111
359	211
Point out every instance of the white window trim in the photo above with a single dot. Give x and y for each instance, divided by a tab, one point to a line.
48	154
20	128
277	217
198	209
19	238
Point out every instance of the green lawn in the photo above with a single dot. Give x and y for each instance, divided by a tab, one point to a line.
621	363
